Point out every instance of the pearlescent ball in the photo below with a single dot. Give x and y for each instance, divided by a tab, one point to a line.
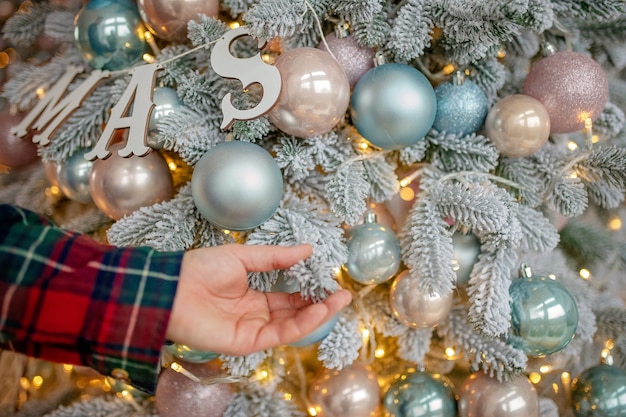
315	93
119	186
600	391
15	152
168	19
544	316
352	391
419	394
461	108
73	177
187	354
353	58
415	308
373	252
178	396
166	101
109	33
237	185
571	86
466	248
393	106
482	396
518	125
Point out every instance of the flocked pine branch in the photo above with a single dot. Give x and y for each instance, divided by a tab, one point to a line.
294	158
523	171
414	344
341	347
380	173
254	402
410	32
103	406
356	11
491	354
490	75
588	9
610	123
466	153
348	190
538	233
373	34
602	171
244	365
59	25
25	26
275	18
205	31
587	245
381	314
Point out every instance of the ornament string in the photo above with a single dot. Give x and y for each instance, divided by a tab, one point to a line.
218	379
462	175
319	28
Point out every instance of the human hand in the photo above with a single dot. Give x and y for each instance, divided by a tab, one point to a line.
214	310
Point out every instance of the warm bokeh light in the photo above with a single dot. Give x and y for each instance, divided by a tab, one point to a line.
584	273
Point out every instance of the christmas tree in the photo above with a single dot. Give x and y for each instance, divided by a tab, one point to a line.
460	166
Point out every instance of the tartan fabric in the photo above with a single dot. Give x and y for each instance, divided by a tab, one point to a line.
67	298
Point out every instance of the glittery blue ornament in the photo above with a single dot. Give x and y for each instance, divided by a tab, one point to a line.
110	34
73	177
237	185
166	101
544	316
187	354
393	106
373	252
461	107
419	394
600	391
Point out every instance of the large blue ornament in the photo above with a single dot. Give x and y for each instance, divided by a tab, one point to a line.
373	252
187	354
166	101
393	106
544	316
461	107
110	34
237	185
73	177
420	395
600	391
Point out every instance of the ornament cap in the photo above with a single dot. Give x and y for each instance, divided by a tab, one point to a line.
370	217
525	271
380	59
341	30
548	49
458	78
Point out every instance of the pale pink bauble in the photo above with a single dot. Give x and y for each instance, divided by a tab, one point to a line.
15	152
178	396
518	125
315	93
572	87
353	58
168	19
482	396
119	186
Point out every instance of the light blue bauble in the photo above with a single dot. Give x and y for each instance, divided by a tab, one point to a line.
73	177
600	391
166	101
461	108
419	394
393	106
187	354
466	248
544	316
109	33
373	252
237	185
281	285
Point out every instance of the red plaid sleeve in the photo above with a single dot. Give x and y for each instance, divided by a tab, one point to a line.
67	298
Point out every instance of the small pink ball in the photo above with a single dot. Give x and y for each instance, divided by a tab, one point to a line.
15	152
572	87
353	58
315	93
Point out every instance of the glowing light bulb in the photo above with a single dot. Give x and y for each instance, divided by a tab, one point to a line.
584	273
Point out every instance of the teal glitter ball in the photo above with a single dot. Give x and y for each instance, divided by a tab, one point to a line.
419	394
109	33
600	391
393	106
373	252
461	108
544	316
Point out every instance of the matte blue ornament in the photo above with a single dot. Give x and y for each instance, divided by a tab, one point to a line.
466	248
187	354
393	106
600	391
544	316
419	394
109	33
373	252
237	185
461	107
73	177
166	101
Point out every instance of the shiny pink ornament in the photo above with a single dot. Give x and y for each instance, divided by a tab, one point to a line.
572	87
315	93
168	19
353	58
178	396
15	152
119	186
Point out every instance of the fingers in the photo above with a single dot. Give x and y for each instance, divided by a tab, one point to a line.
262	258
